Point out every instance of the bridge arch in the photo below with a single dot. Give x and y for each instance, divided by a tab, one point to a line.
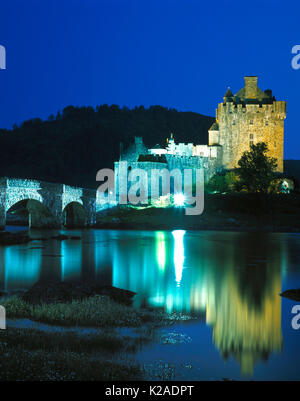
31	212
15	197
74	215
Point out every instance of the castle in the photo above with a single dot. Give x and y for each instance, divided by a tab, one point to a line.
248	117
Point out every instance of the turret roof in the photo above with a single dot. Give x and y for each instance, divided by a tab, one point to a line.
241	94
214	127
228	93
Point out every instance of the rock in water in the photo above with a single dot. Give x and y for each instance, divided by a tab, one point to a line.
116	294
291	294
56	291
60	237
13	238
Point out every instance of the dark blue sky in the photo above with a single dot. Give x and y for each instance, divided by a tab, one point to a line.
175	53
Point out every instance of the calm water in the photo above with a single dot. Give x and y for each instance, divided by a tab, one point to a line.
230	281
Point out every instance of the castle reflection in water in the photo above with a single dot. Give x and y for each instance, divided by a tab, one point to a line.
229	281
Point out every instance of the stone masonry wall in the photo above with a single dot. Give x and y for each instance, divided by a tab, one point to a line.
240	125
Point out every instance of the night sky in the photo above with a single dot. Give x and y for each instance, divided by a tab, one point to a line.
175	53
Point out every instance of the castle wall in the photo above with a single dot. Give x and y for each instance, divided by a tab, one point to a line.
213	137
209	164
180	149
122	185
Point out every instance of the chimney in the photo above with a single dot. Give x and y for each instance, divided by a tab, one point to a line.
268	92
250	87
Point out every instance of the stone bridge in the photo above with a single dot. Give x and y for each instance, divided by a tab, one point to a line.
47	204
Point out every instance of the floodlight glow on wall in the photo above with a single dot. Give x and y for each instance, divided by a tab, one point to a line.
179	199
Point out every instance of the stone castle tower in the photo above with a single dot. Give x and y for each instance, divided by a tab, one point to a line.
248	117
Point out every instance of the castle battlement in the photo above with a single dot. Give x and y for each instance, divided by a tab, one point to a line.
278	107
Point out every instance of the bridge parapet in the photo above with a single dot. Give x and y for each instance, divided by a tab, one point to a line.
21	183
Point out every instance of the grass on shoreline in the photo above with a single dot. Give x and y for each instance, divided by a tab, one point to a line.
96	311
41	360
34	354
106	341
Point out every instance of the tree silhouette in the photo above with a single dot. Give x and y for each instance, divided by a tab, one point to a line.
256	169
